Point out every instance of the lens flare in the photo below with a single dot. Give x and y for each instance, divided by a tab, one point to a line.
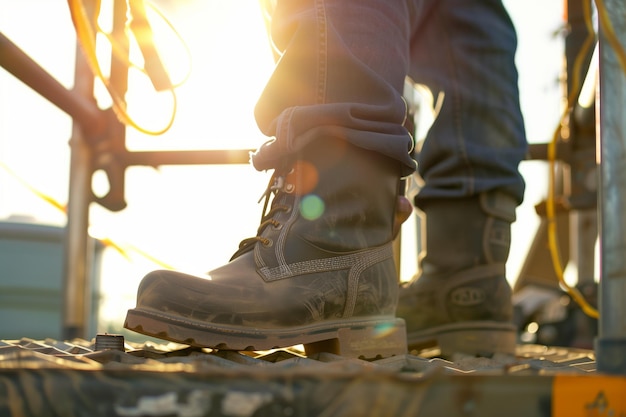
383	330
312	207
304	176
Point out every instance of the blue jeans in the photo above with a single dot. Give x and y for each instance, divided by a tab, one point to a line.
342	72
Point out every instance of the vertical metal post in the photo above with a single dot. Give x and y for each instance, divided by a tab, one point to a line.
77	288
582	141
118	79
611	342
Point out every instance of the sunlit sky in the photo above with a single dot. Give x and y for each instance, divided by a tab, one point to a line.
194	217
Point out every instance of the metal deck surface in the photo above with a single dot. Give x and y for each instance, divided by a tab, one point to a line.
67	378
82	354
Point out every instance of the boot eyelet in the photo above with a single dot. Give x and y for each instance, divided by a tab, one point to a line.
268	243
289	188
277	226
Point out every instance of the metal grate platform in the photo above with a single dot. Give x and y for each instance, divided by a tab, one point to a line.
82	354
72	378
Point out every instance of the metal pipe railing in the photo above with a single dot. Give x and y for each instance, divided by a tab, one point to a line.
83	109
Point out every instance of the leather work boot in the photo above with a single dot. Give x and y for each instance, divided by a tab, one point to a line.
320	271
461	301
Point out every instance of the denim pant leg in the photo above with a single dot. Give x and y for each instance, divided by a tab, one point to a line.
466	49
341	74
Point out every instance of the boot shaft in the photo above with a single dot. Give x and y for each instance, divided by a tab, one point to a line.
467	232
334	198
461	301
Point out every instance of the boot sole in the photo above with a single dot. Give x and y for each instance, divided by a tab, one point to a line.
366	338
477	338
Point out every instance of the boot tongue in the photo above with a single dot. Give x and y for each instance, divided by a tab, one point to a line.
282	190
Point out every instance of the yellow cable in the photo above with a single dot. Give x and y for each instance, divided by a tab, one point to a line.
87	39
84	26
48	199
609	34
63	208
121	53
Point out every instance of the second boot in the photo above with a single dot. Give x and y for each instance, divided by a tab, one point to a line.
461	300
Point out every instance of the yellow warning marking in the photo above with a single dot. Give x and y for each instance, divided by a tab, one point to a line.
589	396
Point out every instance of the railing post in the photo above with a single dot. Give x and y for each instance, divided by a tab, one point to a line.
611	341
77	256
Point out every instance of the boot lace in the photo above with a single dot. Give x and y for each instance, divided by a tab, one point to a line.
275	185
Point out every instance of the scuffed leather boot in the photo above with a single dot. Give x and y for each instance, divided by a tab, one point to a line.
320	271
461	301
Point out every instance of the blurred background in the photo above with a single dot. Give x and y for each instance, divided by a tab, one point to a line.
192	217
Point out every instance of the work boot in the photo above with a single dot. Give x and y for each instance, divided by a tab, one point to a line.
461	300
320	271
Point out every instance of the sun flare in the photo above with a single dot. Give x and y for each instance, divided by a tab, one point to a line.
206	50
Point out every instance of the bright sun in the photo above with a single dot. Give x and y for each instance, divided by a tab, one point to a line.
215	53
